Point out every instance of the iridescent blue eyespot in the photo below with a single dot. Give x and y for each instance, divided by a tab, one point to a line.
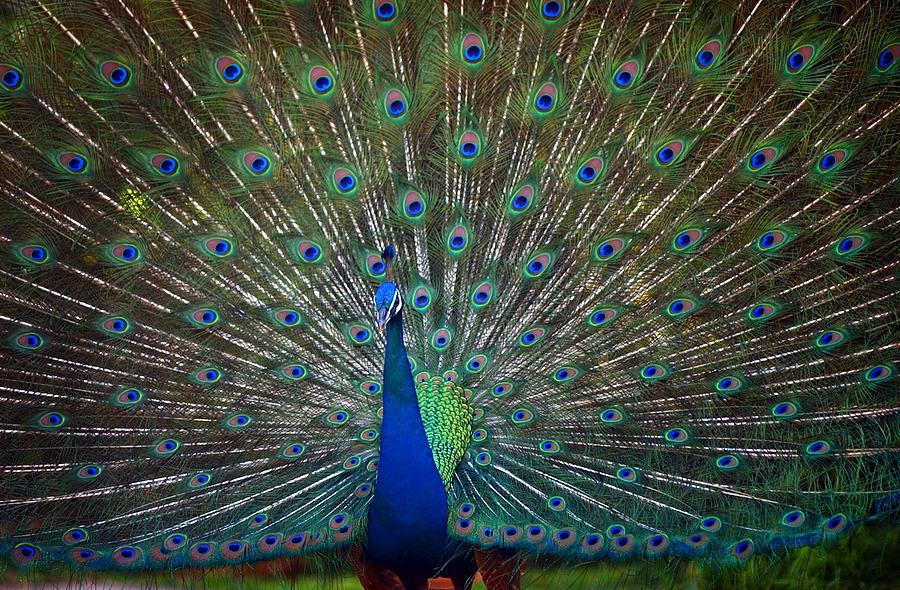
74	163
886	58
799	58
819	447
587	173
551	9
10	77
115	73
544	102
229	69
385	11
321	80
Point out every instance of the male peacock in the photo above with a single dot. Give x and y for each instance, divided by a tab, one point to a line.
643	257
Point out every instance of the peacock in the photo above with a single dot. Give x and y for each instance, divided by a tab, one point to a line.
436	288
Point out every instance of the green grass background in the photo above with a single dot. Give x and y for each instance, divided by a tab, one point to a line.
867	558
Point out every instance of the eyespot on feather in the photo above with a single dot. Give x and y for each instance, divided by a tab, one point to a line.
385	11
687	239
549	447
414	205
625	75
166	447
218	247
74	536
232	550
125	556
622	544
73	163
472	49
28	341
441	339
592	544
25	553
11	77
359	334
164	164
521	199
799	58
202	551
482	295
257	164
34	254
850	245
742	549
545	98
538	265
707	55
522	416
208	376
887	57
610	249
476	363
612	416
344	181
784	410
681	307
199	480
458	239
338	417
321	81
590	171
676	436
761	158
657	544
238	421
292	450
535	533
669	153
229	70
552	10
566	373
309	251
602	317
831	160
501	389
626	474
269	543
88	472
469	145
51	421
126	253
116	74
116	325
794	518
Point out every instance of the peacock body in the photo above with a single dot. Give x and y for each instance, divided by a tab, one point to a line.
634	264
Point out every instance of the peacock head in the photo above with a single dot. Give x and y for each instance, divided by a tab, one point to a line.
388	301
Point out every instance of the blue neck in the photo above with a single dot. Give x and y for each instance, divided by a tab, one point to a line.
407	531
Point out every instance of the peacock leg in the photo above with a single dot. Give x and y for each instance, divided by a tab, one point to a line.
500	569
371	575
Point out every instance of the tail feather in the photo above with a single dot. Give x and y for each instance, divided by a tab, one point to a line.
659	247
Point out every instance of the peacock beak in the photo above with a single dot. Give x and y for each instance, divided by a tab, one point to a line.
382	317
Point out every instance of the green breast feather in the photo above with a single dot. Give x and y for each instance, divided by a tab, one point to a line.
447	417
